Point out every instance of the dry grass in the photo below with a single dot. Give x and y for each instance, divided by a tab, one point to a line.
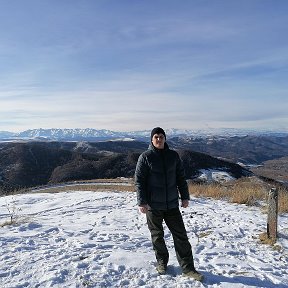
91	187
243	191
119	184
249	191
283	202
263	237
7	223
15	221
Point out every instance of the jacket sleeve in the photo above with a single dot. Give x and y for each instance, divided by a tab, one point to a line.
141	174
181	180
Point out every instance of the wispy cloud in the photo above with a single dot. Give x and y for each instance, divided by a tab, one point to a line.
122	65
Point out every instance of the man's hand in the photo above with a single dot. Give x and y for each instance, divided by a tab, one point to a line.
185	203
143	208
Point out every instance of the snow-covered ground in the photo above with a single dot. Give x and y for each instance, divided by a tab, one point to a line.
99	239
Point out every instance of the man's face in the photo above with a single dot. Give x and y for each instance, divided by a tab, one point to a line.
158	140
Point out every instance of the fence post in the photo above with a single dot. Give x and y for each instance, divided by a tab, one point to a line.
272	214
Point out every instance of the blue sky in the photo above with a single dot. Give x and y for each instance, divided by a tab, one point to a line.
133	65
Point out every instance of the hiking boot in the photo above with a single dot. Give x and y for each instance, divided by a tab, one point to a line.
161	267
194	274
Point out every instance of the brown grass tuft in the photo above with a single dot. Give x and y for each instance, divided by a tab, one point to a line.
263	237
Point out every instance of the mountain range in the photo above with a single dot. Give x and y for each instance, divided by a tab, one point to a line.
38	157
90	134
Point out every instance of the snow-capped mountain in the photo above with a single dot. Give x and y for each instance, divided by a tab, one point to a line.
6	134
90	134
84	134
66	133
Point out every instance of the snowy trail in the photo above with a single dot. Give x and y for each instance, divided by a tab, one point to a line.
98	239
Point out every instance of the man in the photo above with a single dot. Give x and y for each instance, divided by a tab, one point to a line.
159	178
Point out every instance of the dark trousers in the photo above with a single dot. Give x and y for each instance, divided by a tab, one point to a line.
174	222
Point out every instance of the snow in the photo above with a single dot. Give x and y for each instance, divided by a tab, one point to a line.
214	175
82	133
99	239
125	139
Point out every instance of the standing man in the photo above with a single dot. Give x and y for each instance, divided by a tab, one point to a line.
159	179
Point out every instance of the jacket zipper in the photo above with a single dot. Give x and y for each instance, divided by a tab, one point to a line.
165	175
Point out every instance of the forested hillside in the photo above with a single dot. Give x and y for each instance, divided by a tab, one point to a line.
36	163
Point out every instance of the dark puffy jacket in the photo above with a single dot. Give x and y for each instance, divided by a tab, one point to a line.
159	178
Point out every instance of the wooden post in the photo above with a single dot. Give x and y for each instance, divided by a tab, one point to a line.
272	214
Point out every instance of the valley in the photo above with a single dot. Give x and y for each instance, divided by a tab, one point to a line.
40	161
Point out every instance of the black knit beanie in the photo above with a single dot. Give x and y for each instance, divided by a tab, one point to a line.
157	130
